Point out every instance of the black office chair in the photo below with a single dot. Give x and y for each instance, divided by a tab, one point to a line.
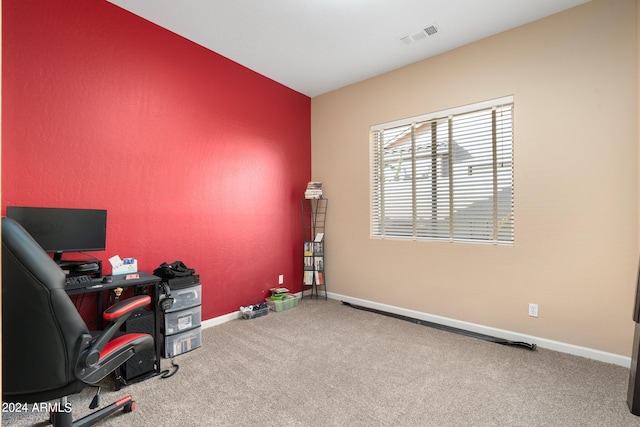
47	351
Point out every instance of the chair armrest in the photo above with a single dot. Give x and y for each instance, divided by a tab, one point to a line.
125	307
116	314
114	354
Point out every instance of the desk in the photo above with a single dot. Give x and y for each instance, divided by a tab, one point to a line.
144	280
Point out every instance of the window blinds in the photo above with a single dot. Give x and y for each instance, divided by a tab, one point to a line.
445	176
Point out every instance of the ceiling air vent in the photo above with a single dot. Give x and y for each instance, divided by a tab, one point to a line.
431	30
417	36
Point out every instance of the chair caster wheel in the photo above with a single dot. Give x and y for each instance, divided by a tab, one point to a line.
129	407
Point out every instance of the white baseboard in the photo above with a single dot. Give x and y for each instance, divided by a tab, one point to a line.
221	319
589	353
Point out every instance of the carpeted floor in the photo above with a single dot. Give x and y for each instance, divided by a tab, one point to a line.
327	364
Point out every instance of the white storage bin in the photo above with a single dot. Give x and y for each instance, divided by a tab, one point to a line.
178	321
182	342
185	298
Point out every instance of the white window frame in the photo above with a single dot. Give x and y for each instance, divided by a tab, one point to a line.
418	193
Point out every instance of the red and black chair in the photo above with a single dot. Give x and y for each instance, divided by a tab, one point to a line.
48	352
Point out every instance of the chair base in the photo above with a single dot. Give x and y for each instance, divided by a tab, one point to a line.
63	417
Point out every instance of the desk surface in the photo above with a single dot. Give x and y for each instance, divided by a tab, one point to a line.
119	281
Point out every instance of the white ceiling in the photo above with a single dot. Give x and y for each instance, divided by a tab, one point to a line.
316	46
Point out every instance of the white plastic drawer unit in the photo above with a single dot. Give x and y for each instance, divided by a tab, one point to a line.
185	298
178	321
182	342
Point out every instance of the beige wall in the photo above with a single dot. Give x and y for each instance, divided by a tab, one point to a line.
573	76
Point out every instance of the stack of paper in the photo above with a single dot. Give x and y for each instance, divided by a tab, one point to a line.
314	190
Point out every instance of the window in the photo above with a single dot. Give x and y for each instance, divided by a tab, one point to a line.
445	176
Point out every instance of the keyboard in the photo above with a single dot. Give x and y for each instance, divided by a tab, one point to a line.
77	282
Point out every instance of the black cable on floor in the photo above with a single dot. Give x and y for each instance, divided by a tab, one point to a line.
464	332
167	372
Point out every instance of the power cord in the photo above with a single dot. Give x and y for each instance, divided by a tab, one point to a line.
528	346
167	372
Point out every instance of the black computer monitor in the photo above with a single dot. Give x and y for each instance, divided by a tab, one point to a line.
60	230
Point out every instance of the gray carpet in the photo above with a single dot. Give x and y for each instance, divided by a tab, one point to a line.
327	364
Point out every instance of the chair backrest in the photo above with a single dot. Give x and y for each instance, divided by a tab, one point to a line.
41	327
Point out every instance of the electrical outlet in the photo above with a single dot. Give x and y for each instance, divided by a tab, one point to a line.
533	310
281	279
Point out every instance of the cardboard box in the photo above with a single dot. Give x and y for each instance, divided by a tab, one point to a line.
127	266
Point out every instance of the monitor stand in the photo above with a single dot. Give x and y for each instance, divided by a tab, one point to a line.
83	267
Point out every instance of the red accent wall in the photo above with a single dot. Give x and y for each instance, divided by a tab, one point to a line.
195	157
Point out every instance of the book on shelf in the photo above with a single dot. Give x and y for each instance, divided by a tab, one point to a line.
308	248
308	277
314	190
319	237
319	278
